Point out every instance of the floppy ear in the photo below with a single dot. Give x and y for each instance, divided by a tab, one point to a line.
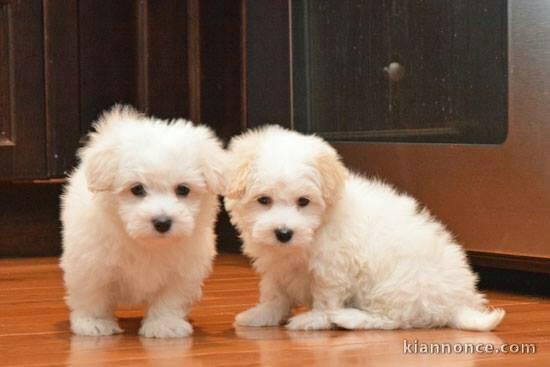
243	150
214	161
100	165
238	176
333	174
98	157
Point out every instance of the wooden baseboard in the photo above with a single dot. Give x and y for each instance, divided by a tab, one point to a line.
504	261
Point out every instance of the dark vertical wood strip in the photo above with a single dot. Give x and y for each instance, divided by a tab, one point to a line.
7	143
61	84
220	42
167	58
108	56
194	60
5	110
11	77
27	81
143	55
268	62
244	73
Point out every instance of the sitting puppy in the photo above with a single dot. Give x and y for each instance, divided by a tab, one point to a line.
360	254
138	219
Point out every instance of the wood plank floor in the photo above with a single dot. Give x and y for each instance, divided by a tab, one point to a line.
34	330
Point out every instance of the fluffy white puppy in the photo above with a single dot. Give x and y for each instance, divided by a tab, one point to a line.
138	219
360	254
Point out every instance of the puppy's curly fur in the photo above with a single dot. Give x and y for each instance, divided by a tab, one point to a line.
360	254
138	216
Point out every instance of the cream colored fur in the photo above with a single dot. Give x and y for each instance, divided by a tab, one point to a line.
362	256
111	252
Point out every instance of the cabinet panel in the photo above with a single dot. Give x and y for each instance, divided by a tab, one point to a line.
408	71
62	82
133	52
454	59
108	56
22	121
165	58
339	51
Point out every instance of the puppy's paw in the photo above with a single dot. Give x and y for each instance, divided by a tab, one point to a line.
312	320
165	327
260	315
92	326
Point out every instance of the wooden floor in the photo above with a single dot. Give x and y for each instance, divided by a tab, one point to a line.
34	330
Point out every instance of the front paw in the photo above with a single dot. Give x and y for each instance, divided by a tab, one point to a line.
166	327
261	315
313	320
93	326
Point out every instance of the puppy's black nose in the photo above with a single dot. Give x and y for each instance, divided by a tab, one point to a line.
283	234
162	224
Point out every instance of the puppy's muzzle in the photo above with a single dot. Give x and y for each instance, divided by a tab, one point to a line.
162	224
283	234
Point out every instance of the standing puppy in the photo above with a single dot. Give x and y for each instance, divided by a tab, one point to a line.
138	219
359	253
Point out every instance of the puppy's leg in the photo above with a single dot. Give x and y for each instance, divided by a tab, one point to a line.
273	309
92	311
327	296
165	317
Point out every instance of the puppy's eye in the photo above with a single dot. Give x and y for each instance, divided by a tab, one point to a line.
302	201
182	190
264	200
138	190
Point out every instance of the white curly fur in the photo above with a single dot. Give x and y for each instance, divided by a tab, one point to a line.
112	253
363	256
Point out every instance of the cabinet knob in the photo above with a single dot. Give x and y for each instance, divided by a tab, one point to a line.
395	71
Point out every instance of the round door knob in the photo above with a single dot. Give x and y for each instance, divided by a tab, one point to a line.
395	71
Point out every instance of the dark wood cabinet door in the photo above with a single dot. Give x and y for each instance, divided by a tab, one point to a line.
22	115
339	51
452	76
409	71
62	62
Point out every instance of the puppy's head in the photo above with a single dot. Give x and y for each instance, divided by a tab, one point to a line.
156	176
280	186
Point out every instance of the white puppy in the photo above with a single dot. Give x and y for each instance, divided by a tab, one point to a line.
359	253
138	219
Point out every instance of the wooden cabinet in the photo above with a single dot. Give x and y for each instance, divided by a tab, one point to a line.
23	136
464	129
64	61
408	71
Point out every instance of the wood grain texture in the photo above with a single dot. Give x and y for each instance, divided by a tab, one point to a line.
22	150
61	84
5	118
166	60
108	52
267	67
34	330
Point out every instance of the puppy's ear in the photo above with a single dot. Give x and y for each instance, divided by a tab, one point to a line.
243	150
333	174
98	157
238	177
214	161
100	165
